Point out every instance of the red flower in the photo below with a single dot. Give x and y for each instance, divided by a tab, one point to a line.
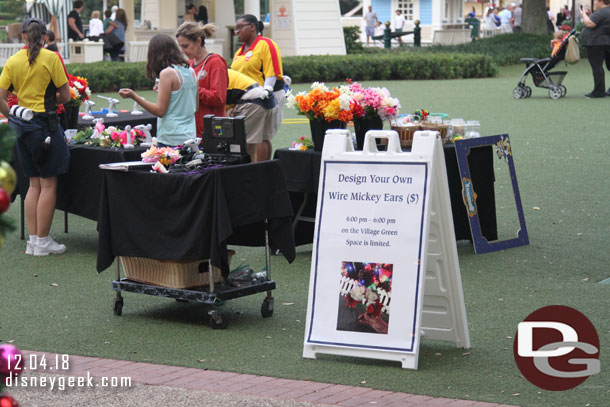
374	310
350	302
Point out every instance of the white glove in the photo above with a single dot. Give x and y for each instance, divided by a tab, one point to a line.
254	93
287	80
267	92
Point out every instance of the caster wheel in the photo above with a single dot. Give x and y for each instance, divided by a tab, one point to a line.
528	91
555	92
267	308
217	321
519	92
117	307
564	91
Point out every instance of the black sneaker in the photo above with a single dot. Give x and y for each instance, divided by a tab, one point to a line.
592	96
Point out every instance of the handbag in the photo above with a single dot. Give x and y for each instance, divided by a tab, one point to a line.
112	41
572	51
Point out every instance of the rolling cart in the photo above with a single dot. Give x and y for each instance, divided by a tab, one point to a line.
210	295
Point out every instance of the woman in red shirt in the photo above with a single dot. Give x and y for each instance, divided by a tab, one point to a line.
210	70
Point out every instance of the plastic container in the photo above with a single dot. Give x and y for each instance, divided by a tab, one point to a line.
473	129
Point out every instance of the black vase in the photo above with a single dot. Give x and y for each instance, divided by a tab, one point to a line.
362	125
318	131
69	118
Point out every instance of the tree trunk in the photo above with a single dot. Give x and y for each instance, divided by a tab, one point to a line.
534	17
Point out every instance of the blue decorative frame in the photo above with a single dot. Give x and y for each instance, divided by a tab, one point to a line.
503	150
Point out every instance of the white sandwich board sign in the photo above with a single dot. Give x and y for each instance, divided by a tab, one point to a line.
384	267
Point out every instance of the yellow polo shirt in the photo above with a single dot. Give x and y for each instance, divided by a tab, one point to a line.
262	60
35	85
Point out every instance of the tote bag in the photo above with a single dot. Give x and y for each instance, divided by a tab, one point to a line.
572	52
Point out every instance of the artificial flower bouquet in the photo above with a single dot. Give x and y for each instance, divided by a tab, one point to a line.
79	90
371	103
110	136
322	103
163	157
302	144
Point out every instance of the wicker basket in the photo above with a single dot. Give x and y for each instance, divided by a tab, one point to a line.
170	273
441	128
405	134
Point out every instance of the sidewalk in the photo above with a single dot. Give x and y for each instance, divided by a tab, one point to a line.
178	386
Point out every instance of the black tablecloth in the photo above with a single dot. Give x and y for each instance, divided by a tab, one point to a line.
193	216
123	119
302	169
78	190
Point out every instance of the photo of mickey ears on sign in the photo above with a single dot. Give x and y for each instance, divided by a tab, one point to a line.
364	297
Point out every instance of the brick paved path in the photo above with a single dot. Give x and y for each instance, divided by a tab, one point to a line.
248	390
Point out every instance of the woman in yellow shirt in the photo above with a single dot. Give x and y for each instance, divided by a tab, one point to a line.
38	78
260	59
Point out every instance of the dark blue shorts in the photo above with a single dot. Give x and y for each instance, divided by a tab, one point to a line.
30	136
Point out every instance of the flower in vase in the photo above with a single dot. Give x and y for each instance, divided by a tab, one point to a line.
373	103
79	90
322	103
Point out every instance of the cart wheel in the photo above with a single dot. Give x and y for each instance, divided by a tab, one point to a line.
518	92
564	90
217	321
555	92
267	308
118	306
528	91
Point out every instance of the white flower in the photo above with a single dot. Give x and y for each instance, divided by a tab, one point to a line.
290	100
345	90
319	85
78	85
357	293
160	168
371	296
88	91
344	101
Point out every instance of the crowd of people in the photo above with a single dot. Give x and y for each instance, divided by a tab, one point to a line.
190	82
111	30
505	19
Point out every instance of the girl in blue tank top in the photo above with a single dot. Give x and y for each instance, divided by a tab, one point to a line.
177	92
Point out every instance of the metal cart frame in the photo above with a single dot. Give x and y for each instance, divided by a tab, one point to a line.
210	295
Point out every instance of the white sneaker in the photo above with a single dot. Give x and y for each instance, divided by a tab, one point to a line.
47	245
29	247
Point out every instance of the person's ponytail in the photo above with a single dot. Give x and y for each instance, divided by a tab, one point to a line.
34	34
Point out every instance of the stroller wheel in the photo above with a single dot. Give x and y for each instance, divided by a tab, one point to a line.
555	92
528	91
519	92
564	91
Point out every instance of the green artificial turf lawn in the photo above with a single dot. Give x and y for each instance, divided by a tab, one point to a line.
560	151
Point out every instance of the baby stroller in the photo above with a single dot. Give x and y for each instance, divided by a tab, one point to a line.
542	78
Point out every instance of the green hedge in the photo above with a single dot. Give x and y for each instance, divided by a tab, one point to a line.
403	65
504	49
112	76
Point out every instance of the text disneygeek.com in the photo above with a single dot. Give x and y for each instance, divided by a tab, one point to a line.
61	383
